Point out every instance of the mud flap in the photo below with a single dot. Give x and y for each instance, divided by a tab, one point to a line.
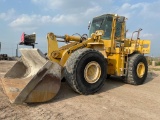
32	79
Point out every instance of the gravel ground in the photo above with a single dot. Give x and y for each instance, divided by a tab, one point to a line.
114	101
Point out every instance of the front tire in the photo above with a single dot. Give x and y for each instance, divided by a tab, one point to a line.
137	70
85	71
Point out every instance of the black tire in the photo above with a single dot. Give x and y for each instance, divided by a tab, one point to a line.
108	76
75	66
132	75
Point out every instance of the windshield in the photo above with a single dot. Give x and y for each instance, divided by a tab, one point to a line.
101	24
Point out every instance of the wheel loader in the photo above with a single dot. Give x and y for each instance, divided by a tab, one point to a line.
85	62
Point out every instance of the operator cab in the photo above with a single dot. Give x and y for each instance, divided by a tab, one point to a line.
104	22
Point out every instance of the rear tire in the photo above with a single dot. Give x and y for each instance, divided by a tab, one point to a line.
85	71
137	70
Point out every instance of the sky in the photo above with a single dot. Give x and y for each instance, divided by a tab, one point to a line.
72	16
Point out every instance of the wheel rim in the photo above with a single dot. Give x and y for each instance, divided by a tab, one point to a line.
140	69
92	72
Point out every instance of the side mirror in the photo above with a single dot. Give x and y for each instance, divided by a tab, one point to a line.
89	25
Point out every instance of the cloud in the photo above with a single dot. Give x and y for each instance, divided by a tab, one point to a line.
7	15
142	9
151	10
26	20
92	11
76	12
70	6
32	22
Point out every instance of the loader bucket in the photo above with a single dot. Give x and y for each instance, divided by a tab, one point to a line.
32	79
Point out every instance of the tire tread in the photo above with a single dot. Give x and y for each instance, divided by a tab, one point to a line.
70	69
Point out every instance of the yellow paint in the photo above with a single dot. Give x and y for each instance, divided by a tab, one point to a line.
114	64
115	50
52	45
92	72
140	69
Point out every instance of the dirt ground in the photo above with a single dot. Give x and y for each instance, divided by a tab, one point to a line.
115	101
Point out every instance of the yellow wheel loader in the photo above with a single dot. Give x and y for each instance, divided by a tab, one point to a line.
85	62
